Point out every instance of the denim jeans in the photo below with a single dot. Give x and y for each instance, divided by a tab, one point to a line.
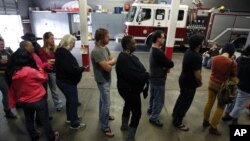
71	95
104	103
4	90
206	61
54	92
41	109
156	102
240	102
182	104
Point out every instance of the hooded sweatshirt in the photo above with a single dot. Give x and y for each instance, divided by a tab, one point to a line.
27	86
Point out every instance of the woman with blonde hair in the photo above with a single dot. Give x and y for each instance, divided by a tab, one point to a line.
68	75
47	54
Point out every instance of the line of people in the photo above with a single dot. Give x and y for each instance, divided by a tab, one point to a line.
24	65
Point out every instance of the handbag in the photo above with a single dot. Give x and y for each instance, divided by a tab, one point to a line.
228	90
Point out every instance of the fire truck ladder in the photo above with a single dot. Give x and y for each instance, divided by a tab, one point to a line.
227	30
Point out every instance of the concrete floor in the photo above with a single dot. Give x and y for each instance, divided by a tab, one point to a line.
14	130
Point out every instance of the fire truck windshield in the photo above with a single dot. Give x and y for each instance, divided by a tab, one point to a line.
131	14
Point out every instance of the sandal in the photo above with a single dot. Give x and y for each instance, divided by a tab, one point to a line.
108	132
56	135
111	117
182	127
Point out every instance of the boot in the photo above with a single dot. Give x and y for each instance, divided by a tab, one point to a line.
9	114
131	134
124	126
235	121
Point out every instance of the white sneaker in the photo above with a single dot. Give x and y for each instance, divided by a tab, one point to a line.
68	121
81	125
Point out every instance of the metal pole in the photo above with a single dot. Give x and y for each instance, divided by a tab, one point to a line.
174	10
83	21
84	34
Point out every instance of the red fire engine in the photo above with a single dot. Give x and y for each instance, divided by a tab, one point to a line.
216	26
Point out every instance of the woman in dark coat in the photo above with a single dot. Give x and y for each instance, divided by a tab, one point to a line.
131	79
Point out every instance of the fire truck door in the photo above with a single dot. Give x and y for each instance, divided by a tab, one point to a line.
160	18
145	17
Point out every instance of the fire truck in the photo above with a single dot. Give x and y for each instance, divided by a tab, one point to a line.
216	26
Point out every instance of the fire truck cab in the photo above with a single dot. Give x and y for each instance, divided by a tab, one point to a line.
214	25
143	19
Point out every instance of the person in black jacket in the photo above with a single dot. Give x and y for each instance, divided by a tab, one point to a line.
159	64
68	75
131	79
243	95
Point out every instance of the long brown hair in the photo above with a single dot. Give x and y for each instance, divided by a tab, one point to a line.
46	46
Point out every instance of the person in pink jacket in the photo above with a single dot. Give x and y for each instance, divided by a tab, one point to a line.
25	80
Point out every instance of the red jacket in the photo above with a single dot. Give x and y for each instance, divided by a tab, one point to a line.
40	64
27	86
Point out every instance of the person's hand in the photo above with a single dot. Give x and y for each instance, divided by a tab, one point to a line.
51	61
3	61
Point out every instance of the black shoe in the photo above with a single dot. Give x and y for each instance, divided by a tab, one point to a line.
79	103
9	114
214	131
227	117
205	124
50	118
156	123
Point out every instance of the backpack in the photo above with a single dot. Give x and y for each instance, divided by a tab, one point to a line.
228	91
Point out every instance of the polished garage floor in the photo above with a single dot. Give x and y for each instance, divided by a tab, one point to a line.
14	130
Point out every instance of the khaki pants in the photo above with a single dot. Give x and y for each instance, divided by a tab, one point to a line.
213	89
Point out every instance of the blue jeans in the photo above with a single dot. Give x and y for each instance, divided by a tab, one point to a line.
54	92
206	61
104	103
41	109
71	95
157	99
4	90
241	100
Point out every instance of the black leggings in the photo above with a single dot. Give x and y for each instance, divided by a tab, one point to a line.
132	103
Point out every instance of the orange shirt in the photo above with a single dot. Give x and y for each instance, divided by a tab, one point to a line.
222	67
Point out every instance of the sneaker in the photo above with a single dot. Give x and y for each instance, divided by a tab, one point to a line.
9	114
111	117
68	121
79	103
214	131
182	127
81	125
59	109
108	132
156	123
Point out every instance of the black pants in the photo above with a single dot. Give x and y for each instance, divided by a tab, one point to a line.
182	104
41	109
132	103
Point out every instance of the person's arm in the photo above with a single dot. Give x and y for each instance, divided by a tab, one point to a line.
163	60
68	64
198	77
105	65
111	61
197	61
99	58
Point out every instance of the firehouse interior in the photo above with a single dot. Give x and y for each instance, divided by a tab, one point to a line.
180	55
